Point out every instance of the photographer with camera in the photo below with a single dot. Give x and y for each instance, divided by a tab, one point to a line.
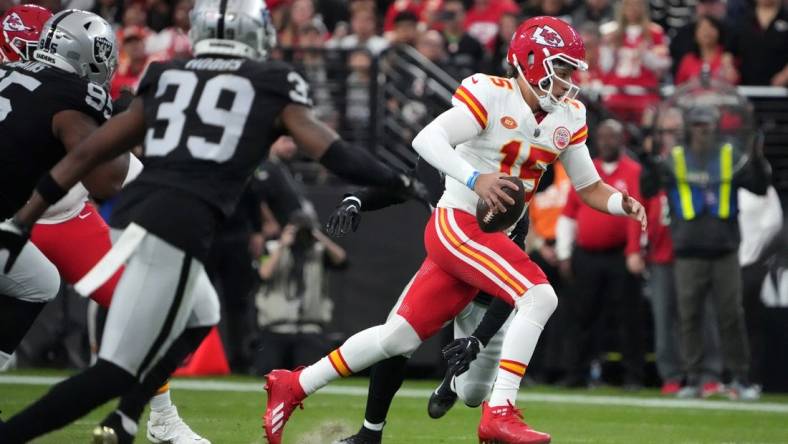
292	302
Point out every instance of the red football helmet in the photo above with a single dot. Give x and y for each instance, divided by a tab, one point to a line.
20	28
537	43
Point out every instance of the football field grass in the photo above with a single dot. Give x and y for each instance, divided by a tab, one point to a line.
228	410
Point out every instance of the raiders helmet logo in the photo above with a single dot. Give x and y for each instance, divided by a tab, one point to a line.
547	36
561	137
14	23
102	49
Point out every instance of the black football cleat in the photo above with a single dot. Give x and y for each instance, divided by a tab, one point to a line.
111	431
364	436
442	399
104	435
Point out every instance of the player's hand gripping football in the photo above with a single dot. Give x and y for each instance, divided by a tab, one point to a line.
459	354
345	218
634	209
13	237
490	187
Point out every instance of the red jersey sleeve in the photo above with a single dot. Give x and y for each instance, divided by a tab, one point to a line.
572	204
634	233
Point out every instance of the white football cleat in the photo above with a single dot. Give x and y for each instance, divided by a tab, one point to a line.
167	427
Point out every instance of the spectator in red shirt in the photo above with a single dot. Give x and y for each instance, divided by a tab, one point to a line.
482	19
708	55
128	75
633	58
425	10
596	268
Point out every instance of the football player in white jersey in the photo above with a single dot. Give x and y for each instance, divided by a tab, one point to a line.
497	127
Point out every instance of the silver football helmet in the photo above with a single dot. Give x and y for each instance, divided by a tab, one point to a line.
241	28
79	42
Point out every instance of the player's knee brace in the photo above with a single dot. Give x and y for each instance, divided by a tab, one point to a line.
538	304
396	337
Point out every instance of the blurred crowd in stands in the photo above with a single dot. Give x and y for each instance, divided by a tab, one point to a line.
599	266
634	46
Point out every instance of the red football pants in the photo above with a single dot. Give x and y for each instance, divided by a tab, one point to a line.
75	246
461	260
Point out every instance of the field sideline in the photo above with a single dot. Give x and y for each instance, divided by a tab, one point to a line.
227	410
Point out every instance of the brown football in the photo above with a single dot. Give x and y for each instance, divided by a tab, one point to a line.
490	221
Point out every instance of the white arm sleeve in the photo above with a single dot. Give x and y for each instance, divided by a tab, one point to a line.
565	231
579	166
435	143
135	168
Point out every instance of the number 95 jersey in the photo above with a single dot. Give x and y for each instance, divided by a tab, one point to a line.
31	94
210	122
512	140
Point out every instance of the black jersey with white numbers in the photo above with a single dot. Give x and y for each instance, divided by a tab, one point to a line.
31	94
209	123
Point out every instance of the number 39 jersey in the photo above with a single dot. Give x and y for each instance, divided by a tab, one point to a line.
210	122
31	94
512	141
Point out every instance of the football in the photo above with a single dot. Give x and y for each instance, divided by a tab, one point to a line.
491	221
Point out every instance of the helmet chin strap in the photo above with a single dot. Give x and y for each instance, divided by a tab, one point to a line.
546	101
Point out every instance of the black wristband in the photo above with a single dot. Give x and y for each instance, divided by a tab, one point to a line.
49	190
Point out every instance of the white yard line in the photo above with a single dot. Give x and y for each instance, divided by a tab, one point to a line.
211	385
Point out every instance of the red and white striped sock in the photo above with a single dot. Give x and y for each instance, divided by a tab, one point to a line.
357	353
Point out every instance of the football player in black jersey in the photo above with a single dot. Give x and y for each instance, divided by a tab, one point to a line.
84	230
46	108
205	123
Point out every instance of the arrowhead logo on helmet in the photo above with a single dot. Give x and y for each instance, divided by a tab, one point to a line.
547	36
14	23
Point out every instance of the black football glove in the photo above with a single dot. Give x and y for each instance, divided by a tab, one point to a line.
413	188
459	354
345	217
13	237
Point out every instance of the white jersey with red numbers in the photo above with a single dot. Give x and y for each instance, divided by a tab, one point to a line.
513	142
